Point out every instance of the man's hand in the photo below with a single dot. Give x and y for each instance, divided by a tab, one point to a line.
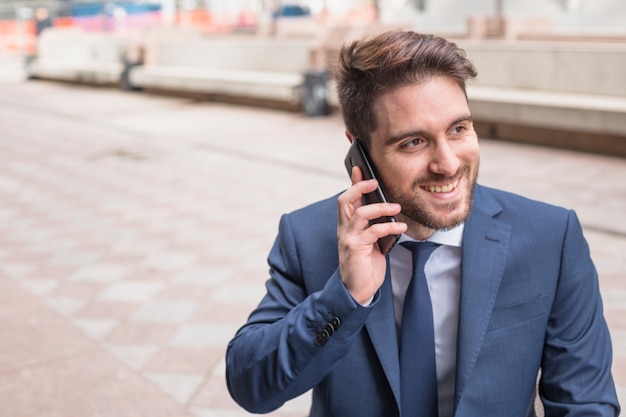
361	264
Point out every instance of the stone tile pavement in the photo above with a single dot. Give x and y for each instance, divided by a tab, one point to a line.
134	231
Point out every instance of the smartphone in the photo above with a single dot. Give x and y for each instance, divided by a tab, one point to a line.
357	156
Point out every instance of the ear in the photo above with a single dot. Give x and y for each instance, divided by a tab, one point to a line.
350	136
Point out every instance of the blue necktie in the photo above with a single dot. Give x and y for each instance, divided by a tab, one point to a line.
418	372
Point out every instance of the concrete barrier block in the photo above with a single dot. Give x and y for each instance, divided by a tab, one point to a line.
246	67
71	54
256	84
559	67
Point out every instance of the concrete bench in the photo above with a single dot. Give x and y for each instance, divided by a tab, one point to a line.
71	54
234	68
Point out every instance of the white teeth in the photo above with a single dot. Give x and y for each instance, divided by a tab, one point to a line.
442	189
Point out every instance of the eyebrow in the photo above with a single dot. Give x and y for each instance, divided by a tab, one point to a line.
397	138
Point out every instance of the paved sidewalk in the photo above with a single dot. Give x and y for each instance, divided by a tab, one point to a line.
134	231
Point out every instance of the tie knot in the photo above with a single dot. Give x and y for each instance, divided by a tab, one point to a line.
421	252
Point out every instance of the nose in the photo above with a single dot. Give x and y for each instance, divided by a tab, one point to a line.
444	160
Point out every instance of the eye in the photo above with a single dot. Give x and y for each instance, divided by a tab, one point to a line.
458	129
461	127
413	143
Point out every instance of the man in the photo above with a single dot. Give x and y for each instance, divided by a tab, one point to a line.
513	292
42	20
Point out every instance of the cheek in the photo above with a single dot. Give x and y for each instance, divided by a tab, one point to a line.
472	142
401	178
469	151
401	167
391	174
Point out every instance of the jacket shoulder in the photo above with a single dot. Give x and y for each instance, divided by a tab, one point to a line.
321	214
493	199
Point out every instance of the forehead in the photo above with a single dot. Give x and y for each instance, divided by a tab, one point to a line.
421	105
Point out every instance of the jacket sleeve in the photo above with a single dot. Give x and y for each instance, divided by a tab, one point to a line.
294	338
576	367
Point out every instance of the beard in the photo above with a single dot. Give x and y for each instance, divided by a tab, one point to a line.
444	216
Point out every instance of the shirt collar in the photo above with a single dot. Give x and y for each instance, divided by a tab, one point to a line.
448	237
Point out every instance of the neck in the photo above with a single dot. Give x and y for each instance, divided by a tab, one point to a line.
416	230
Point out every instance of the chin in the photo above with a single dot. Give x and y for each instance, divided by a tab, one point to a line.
451	223
440	217
446	223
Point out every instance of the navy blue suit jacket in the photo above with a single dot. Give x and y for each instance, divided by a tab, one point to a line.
529	304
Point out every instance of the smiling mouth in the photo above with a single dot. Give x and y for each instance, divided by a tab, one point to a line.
441	188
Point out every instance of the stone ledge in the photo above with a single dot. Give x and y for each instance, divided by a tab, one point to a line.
253	84
82	71
602	144
573	112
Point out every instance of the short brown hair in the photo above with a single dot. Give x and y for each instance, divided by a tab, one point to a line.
370	67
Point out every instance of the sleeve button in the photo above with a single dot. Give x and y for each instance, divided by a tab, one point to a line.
322	337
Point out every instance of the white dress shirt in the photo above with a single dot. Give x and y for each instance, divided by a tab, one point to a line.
443	274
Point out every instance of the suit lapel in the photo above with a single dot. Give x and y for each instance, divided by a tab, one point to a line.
381	326
485	248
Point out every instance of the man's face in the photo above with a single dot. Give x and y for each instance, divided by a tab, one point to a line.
426	154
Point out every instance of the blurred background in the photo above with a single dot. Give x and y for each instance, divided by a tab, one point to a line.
21	21
550	70
148	149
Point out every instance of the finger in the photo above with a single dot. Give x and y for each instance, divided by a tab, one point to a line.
366	239
379	230
357	229
354	194
365	214
357	175
351	200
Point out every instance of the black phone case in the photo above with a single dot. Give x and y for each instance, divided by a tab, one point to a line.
357	156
